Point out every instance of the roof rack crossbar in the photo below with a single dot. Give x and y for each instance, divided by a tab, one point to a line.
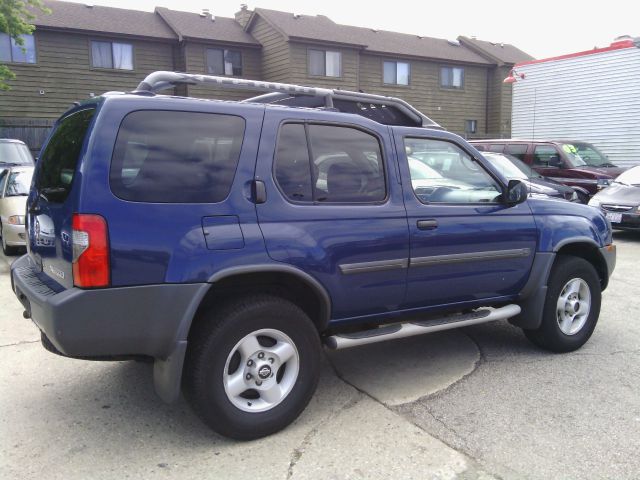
162	80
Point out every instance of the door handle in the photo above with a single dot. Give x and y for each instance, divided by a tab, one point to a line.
258	191
427	224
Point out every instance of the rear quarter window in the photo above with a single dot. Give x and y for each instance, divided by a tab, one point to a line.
176	157
59	160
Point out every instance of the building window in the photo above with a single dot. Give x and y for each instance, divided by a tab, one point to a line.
452	77
325	63
471	126
396	73
224	62
113	55
10	51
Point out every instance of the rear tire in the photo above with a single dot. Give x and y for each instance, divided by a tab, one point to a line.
252	366
572	306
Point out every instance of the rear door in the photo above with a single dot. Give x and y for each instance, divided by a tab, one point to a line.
51	202
334	207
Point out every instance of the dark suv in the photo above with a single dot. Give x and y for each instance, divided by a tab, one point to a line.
229	241
574	163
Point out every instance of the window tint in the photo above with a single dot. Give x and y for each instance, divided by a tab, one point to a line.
452	77
325	63
396	73
224	62
10	51
57	164
176	157
452	175
543	154
518	150
112	55
346	165
292	166
497	147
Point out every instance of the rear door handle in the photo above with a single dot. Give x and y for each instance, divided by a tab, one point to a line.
427	224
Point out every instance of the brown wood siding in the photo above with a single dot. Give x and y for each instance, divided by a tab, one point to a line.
499	103
450	108
63	71
299	71
195	63
275	51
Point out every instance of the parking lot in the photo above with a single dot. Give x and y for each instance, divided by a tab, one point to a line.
474	403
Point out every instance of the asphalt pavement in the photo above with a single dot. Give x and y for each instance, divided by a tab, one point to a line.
479	402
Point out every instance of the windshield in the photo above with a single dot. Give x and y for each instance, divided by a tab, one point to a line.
420	171
16	153
507	167
19	183
630	177
581	154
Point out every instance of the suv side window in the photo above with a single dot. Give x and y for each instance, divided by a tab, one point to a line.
544	154
497	147
441	172
329	164
176	157
517	150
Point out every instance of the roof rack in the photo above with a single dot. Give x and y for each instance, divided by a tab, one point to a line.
161	80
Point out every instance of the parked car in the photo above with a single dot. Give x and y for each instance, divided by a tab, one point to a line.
577	164
512	168
228	241
14	188
14	152
621	201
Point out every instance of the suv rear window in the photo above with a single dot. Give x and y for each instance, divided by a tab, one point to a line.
176	157
59	160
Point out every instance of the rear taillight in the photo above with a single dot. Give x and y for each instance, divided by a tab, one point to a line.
90	251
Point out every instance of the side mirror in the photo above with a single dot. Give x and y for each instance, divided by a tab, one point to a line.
517	192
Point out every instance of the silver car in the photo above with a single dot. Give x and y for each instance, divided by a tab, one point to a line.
14	188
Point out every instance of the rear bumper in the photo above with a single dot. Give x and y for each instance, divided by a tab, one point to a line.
140	320
15	235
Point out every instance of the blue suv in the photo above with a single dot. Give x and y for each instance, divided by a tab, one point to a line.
229	241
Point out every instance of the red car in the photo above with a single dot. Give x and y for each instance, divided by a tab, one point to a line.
574	163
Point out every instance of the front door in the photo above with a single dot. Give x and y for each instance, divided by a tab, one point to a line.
334	208
466	245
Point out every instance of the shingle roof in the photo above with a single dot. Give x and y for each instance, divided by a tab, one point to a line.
309	27
323	29
196	26
502	52
77	16
382	41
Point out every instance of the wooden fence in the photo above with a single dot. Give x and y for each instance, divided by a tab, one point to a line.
32	131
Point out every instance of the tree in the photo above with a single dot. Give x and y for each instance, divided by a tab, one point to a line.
15	18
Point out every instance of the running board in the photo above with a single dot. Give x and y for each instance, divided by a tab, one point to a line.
419	327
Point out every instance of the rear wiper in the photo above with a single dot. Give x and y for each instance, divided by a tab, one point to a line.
607	164
621	183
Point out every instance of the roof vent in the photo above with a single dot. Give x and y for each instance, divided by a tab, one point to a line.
213	18
243	6
374	30
88	5
296	16
502	44
455	43
419	37
204	13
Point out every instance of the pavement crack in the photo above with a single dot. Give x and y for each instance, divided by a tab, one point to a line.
298	451
23	342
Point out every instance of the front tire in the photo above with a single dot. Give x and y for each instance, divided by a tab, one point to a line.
572	306
252	366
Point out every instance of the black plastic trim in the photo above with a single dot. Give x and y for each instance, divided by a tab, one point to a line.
376	266
469	257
